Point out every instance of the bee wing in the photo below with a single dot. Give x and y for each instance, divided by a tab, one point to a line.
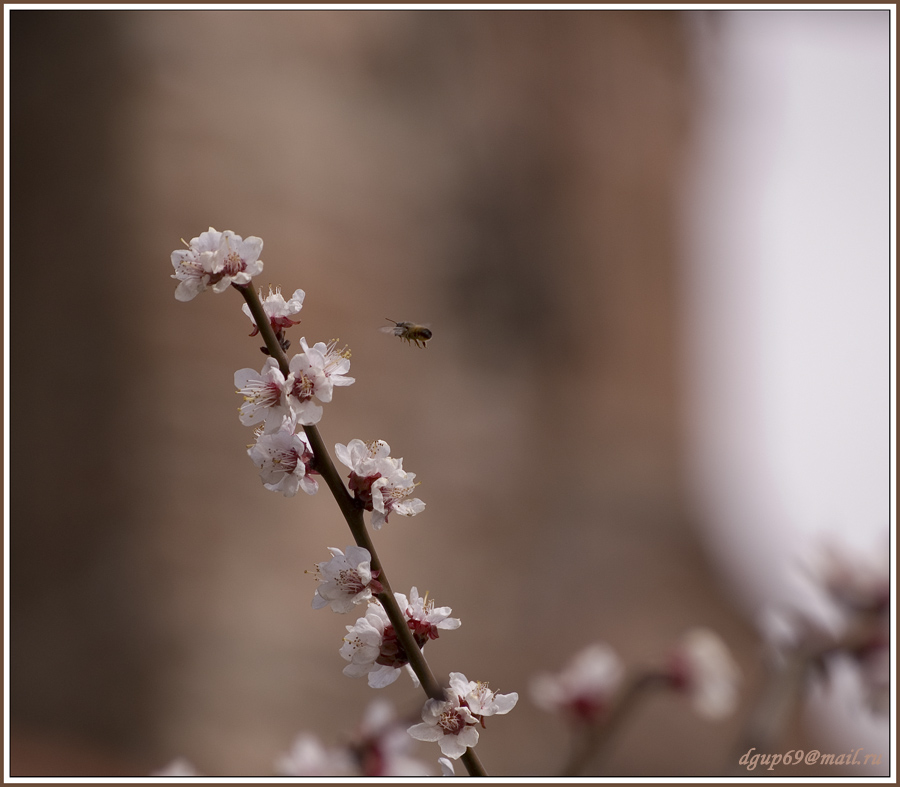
391	329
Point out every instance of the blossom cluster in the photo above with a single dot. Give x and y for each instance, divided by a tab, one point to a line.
273	399
374	650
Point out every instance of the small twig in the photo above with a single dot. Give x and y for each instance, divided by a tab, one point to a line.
596	735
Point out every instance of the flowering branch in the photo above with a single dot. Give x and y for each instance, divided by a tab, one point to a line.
353	514
286	394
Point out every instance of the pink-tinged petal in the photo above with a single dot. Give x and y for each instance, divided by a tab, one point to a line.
251	247
207	241
308	413
324	390
342	452
221	286
460	684
382	677
426	732
189	289
356	555
454	746
355	670
504	703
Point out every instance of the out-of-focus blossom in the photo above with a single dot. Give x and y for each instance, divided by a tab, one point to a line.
874	661
856	582
379	480
178	768
585	687
285	461
383	748
309	757
346	580
702	667
850	621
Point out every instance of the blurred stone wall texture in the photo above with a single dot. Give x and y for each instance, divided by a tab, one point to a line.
511	178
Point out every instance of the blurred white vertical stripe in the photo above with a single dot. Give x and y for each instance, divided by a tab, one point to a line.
787	288
786	292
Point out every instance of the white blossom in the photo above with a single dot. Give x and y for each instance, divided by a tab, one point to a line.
331	366
584	689
450	724
194	265
362	644
217	259
284	460
309	757
479	698
314	373
277	309
391	494
346	580
363	459
703	667
379	480
424	617
264	395
237	261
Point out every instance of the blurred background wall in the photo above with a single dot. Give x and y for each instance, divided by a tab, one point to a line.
515	179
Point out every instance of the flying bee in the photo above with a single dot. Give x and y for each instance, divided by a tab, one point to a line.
408	332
